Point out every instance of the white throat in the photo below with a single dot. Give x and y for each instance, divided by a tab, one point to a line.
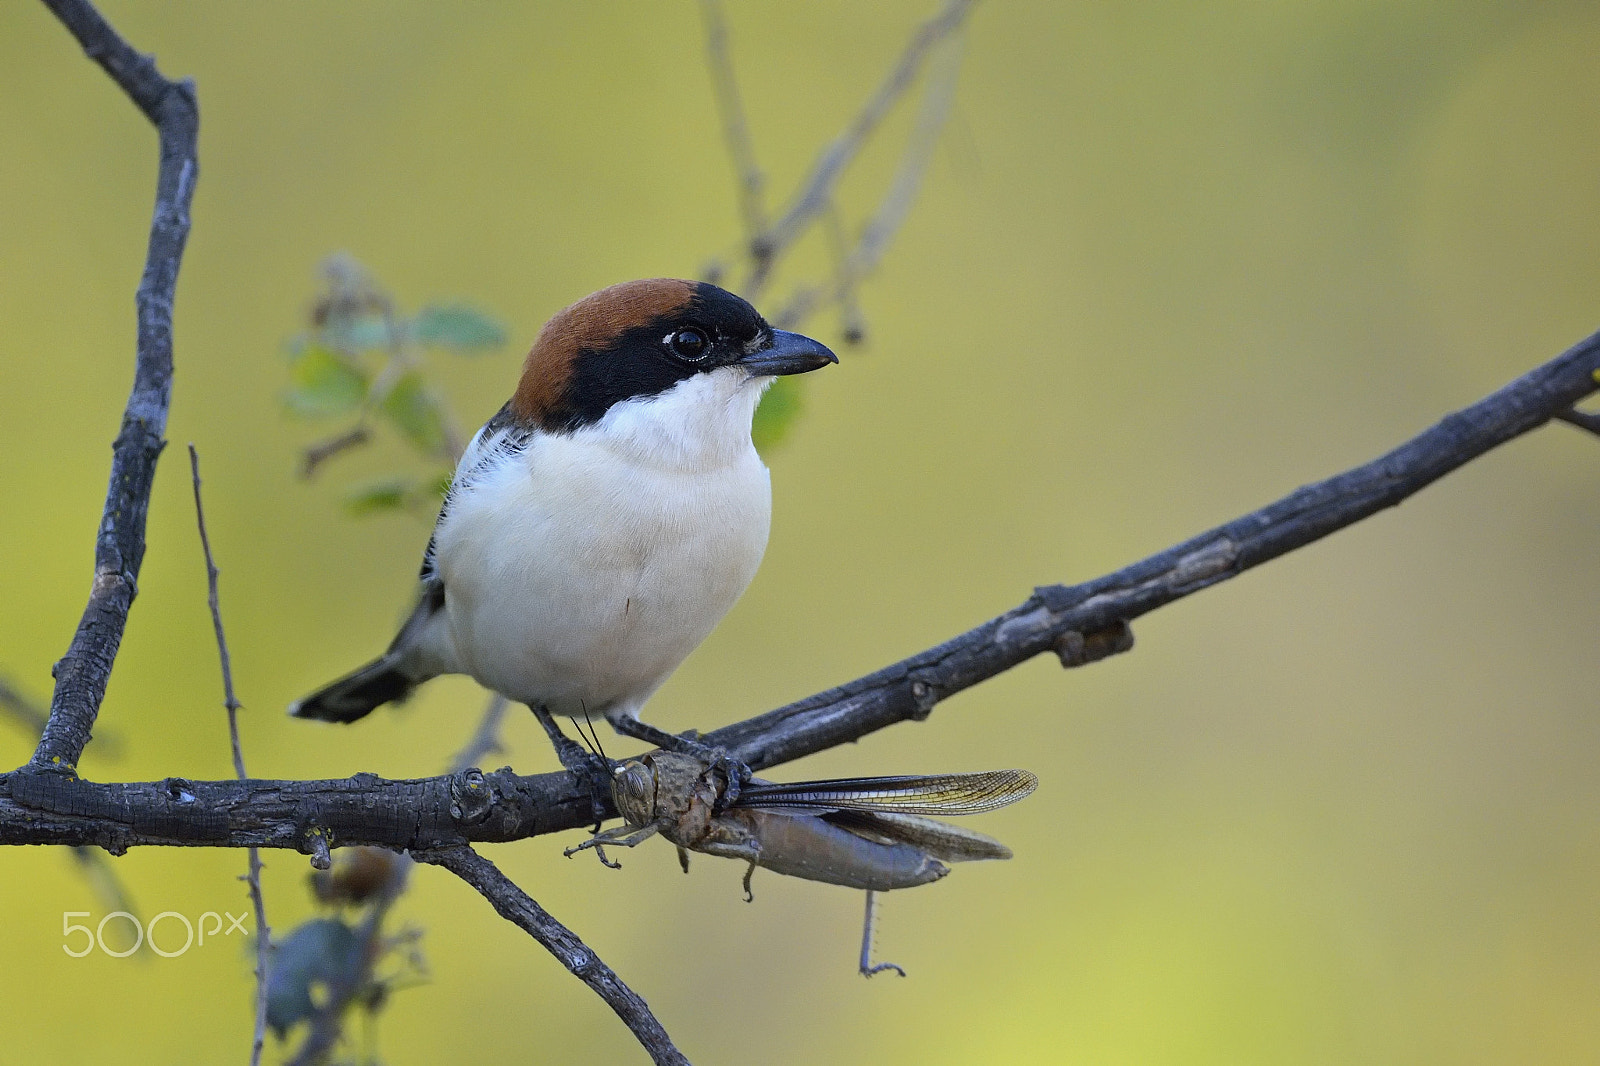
702	422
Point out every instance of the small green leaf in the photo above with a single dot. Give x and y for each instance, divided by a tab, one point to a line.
415	412
323	384
777	413
459	327
399	492
322	953
357	332
377	497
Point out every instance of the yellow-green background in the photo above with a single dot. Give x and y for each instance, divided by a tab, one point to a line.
1172	260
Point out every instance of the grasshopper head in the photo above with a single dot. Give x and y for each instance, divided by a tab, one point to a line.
633	785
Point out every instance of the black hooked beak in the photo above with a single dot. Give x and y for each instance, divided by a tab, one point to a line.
789	353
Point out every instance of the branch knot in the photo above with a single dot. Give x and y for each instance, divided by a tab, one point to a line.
1080	649
471	796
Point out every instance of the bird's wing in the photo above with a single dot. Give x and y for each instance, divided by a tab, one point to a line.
500	436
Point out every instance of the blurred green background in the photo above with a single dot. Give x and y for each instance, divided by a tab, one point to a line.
1171	261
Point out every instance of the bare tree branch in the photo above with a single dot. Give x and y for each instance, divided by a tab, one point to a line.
735	130
817	190
252	876
1080	623
1588	420
859	262
437	818
82	673
327	1024
516	906
1055	614
316	454
91	861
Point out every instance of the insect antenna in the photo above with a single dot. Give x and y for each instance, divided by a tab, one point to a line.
592	738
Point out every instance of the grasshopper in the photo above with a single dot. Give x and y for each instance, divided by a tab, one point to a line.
860	832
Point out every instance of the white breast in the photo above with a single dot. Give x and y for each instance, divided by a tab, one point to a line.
579	571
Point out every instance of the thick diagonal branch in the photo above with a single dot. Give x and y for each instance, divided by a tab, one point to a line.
56	808
82	673
909	689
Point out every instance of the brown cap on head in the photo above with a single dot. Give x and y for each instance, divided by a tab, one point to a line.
641	339
591	325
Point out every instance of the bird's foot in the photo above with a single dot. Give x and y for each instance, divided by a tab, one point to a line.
735	774
591	766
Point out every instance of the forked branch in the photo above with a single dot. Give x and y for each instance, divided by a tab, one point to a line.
1080	623
437	818
83	672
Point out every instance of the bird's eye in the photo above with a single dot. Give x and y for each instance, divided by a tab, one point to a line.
689	343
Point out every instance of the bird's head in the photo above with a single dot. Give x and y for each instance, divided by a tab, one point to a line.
645	339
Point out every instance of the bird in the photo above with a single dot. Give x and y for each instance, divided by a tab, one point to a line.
600	525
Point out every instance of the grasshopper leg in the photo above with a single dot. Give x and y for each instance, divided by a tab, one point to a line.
736	845
867	968
623	835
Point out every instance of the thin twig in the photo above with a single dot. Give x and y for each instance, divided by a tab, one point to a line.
1589	420
516	906
320	452
856	265
83	672
852	323
735	130
937	101
327	1024
817	190
231	702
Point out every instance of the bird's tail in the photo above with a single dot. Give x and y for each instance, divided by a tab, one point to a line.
356	694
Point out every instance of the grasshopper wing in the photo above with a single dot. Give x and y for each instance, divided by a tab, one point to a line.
918	794
939	839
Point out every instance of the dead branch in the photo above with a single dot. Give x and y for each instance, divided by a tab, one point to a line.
1588	420
82	673
436	819
816	192
857	263
1080	623
230	702
316	454
735	130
